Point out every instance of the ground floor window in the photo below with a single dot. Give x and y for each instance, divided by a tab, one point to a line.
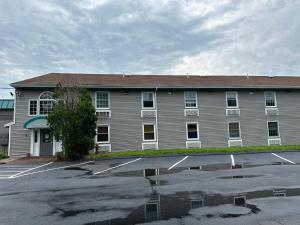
192	132
103	133
149	132
234	129
273	129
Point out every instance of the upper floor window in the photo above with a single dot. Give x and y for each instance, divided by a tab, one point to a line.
148	100
102	100
234	129
270	99
232	99
192	131
273	129
190	98
46	103
33	107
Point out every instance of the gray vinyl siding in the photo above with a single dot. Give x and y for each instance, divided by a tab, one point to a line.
20	138
212	118
289	116
171	120
126	132
253	121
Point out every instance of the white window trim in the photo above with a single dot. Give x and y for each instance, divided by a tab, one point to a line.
186	131
154	100
196	107
237	100
103	142
39	101
273	137
108	96
154	130
275	99
37	107
234	138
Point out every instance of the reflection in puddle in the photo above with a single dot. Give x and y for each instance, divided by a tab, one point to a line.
164	207
240	176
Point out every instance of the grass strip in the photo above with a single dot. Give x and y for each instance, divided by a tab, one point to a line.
193	151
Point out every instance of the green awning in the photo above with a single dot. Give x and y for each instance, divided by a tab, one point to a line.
36	122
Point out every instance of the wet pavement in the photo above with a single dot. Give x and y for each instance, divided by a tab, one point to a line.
255	189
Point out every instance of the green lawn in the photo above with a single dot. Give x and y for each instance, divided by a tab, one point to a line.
194	150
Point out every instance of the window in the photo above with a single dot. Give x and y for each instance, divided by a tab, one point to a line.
273	129
103	133
270	99
192	131
148	100
46	103
33	107
149	132
102	100
234	129
232	99
190	99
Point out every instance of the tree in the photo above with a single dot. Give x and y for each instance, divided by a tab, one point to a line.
73	120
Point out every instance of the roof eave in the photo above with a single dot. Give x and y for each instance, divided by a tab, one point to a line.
164	87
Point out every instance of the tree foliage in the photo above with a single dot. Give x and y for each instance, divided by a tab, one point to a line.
73	120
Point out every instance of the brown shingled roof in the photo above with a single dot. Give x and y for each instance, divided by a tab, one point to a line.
159	81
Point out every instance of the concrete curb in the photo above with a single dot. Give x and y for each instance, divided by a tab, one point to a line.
7	160
196	154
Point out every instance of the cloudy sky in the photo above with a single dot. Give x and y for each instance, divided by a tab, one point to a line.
260	37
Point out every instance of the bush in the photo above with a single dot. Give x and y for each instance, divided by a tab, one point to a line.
73	121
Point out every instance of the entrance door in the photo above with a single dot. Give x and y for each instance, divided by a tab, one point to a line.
46	143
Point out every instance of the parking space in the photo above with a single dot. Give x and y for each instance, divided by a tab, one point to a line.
15	170
169	190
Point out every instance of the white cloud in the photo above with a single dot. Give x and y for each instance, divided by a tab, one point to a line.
169	36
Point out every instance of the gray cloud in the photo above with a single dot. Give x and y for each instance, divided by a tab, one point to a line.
176	37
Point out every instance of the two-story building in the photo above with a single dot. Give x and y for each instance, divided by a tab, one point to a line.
164	111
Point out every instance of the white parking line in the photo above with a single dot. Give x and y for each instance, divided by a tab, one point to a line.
180	161
111	168
25	171
232	160
56	168
283	158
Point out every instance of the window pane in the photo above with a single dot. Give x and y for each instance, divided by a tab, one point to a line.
234	130
33	107
270	98
148	100
46	107
148	128
103	130
273	129
102	137
190	99
149	132
102	100
231	99
192	131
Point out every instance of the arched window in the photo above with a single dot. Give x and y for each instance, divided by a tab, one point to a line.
46	103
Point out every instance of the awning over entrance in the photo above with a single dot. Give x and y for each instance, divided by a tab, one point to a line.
36	122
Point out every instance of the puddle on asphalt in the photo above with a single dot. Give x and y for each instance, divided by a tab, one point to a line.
239	176
164	207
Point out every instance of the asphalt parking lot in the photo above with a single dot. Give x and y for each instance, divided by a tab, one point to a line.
235	189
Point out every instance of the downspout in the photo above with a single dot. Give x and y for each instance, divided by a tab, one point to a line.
14	121
156	120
